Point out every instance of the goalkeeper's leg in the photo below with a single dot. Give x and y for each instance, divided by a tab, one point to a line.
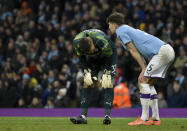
85	100
108	103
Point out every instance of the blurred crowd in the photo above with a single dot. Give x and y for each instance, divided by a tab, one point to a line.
38	64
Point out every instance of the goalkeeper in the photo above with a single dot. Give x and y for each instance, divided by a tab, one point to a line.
96	53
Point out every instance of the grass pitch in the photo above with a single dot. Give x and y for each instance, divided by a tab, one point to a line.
94	124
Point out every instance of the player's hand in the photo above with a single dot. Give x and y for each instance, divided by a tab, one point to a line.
106	80
87	77
141	77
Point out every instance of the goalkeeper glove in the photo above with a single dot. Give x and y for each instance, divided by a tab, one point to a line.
87	77
106	80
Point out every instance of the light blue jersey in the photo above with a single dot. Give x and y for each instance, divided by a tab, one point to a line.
147	45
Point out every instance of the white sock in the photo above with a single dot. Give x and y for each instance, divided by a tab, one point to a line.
154	104
145	108
145	100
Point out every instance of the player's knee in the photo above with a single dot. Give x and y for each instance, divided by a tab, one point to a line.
145	81
152	82
108	103
84	103
109	97
144	88
88	86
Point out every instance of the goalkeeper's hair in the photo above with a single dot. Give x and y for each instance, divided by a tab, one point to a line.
84	45
117	18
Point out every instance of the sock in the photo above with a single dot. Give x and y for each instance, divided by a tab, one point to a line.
145	100
84	112
145	107
108	100
85	100
154	104
107	112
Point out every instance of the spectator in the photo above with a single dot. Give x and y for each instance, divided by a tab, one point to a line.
61	99
50	103
181	59
181	78
134	95
121	96
21	103
9	94
35	103
162	103
46	94
118	78
25	9
177	98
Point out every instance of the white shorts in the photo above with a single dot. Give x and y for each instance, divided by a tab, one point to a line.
160	63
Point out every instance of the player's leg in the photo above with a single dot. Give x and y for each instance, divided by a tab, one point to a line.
154	99
158	67
153	104
85	97
154	107
108	103
145	100
145	94
109	92
85	100
86	93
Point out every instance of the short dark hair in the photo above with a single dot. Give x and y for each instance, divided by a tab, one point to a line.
117	18
84	45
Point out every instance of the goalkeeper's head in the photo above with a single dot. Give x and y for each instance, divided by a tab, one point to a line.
86	45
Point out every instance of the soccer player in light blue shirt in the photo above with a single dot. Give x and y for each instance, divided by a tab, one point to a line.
141	46
146	44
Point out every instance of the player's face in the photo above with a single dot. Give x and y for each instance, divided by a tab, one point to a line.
92	48
112	27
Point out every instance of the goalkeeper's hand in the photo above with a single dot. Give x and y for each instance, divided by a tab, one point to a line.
88	78
106	80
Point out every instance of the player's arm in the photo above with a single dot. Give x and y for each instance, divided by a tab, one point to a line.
102	43
83	61
136	55
106	49
107	54
127	42
81	56
109	65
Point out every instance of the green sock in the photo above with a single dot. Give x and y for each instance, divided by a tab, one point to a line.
84	111
107	111
108	100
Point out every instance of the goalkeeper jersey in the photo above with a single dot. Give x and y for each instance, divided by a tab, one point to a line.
105	48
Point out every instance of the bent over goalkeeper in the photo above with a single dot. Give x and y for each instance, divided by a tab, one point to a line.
96	53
